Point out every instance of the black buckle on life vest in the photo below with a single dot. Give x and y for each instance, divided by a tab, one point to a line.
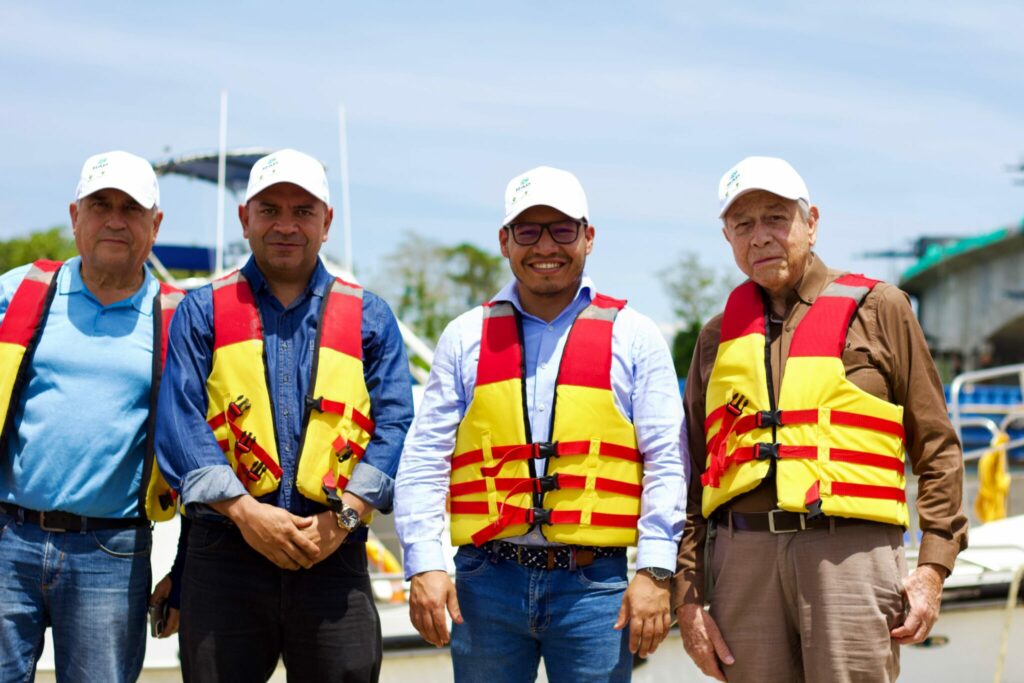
345	453
814	510
538	516
545	484
316	404
238	406
166	500
736	404
245	442
253	473
544	449
333	499
765	451
769	418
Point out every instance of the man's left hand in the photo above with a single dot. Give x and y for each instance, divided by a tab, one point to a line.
645	607
922	591
325	532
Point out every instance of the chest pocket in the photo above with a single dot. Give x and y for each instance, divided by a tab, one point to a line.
862	371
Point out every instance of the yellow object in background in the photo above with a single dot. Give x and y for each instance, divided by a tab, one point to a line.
384	561
993	481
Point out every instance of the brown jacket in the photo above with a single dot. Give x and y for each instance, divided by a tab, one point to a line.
886	355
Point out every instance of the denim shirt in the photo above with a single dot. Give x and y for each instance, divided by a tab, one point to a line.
186	448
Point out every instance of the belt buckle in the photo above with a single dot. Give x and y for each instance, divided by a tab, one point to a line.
42	524
771	523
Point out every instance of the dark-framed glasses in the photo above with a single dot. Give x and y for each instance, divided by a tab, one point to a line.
563	232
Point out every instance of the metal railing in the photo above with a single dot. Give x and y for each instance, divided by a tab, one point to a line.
1012	415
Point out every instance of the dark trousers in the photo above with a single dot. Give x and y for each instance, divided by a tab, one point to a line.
239	613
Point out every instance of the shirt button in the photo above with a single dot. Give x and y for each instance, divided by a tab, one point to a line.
540	409
551	328
543	366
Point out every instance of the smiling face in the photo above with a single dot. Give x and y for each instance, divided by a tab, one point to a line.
285	226
549	273
113	233
771	241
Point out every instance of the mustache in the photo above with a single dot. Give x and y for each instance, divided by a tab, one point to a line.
278	238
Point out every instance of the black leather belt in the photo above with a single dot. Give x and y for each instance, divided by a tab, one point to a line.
55	520
784	522
554	557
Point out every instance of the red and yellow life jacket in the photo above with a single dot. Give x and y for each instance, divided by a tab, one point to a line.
837	449
19	334
591	492
240	412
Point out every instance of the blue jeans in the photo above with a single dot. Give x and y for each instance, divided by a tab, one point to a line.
90	588
514	616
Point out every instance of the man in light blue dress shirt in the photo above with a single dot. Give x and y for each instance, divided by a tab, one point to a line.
74	538
520	599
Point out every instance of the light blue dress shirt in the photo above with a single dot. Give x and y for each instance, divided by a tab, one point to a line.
645	390
78	438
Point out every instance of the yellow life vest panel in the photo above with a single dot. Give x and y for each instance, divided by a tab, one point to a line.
19	334
337	425
836	449
591	492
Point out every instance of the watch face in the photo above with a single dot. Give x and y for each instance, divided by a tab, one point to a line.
348	519
657	573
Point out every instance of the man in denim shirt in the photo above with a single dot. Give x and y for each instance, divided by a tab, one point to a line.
271	570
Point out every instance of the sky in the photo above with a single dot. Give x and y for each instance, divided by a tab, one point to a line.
903	118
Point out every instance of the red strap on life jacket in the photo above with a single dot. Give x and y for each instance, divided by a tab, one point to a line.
252	446
514	485
500	348
720	442
749	453
510	514
25	310
338	408
587	357
506	454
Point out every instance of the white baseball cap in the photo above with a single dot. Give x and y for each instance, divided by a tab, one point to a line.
288	166
545	186
760	173
120	171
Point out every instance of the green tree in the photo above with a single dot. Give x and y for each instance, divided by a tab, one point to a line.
475	274
696	291
429	283
53	243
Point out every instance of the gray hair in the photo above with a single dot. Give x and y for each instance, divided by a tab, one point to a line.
802	206
805	209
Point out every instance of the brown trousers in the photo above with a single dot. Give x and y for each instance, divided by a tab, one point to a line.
813	606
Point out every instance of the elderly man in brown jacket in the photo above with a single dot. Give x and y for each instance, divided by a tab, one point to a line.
806	399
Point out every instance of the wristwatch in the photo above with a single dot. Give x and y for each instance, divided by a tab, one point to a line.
347	517
657	573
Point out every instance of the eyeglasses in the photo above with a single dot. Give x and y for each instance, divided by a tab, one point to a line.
562	232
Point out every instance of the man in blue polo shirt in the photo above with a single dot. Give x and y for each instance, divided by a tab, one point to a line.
77	344
282	415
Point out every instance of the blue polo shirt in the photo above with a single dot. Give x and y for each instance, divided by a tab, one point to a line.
78	437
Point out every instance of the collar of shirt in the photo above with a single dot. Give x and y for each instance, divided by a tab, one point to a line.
317	285
813	280
510	293
69	281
